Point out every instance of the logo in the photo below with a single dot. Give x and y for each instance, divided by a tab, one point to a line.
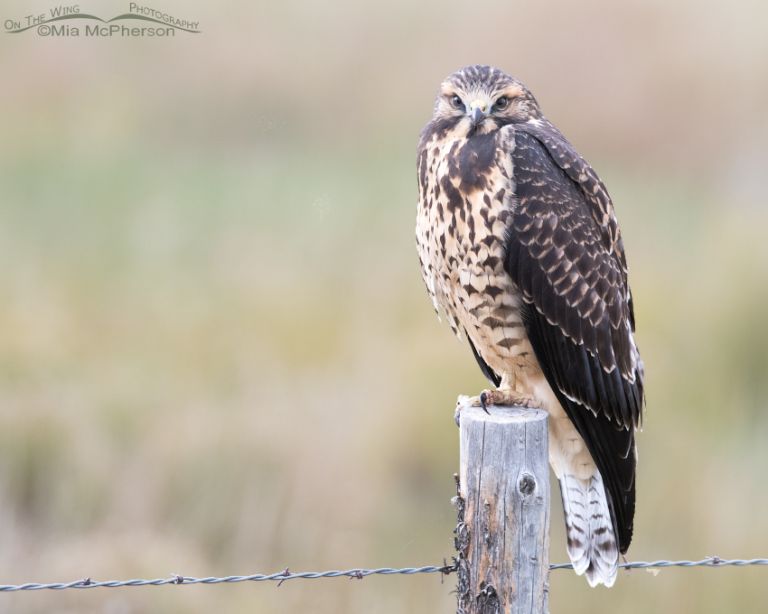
69	22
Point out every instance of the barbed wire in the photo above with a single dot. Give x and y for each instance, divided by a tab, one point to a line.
355	574
279	577
711	561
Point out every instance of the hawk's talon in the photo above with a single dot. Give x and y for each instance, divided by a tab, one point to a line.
484	401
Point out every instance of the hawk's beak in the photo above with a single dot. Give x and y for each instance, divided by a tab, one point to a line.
477	111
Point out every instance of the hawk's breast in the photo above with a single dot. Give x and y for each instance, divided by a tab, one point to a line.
466	196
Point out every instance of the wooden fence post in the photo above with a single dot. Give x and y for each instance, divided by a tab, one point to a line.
503	505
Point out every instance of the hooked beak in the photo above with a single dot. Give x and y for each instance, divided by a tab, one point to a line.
477	111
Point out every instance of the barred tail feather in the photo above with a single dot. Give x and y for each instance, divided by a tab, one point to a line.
592	545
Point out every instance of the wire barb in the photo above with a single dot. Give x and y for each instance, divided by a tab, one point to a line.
357	574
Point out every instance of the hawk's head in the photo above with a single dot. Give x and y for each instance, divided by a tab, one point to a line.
482	99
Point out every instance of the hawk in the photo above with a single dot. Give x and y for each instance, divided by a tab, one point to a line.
521	252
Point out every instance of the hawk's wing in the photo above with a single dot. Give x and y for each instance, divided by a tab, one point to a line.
565	253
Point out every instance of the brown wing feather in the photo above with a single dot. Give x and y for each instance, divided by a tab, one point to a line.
564	251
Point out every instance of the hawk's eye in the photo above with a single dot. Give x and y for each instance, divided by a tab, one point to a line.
456	102
501	104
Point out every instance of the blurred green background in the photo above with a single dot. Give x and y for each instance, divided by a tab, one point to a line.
216	353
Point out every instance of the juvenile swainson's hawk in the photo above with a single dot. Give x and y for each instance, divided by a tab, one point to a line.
520	250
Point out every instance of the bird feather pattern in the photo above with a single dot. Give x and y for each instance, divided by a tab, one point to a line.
520	249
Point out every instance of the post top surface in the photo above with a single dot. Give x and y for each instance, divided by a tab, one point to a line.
501	415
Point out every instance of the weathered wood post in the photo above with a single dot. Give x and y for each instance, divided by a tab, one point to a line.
503	504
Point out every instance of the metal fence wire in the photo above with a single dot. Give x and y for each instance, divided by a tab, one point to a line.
355	574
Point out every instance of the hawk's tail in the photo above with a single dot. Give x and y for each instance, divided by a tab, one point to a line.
592	545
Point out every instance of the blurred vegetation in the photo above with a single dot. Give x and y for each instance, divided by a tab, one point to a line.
217	355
